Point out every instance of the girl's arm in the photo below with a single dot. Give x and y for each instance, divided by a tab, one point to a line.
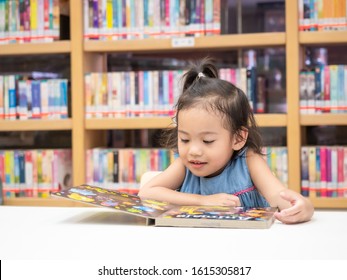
163	187
294	208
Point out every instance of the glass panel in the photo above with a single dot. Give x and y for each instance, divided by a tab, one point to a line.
133	138
35	139
274	136
252	16
326	55
271	78
326	135
37	66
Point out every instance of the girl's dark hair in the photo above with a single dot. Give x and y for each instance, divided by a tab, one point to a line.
202	87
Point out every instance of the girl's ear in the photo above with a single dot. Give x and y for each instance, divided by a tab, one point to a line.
240	139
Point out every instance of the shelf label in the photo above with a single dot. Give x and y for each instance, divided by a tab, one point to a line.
183	42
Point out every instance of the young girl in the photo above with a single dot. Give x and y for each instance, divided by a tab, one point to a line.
220	160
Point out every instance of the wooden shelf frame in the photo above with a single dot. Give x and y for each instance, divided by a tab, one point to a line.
263	120
322	37
36	48
323	119
129	123
89	56
329	202
35	125
201	43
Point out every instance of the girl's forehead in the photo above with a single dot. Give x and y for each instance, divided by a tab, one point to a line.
202	116
200	111
201	107
199	118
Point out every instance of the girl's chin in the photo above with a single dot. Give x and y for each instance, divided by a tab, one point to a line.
201	173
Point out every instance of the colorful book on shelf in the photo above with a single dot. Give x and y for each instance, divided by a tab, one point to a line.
160	213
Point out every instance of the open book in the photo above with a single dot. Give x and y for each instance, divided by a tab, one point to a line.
160	213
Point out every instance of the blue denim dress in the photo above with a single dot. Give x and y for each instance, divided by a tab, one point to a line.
235	179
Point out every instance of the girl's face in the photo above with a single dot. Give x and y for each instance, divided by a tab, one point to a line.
204	145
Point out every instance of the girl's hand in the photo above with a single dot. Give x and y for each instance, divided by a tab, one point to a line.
220	199
300	211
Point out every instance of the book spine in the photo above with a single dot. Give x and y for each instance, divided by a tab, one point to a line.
304	171
55	170
318	172
2	115
63	98
329	173
6	98
341	89
44	99
345	170
28	174
303	91
323	171
261	95
334	171
12	97
333	89
327	102
340	174
16	187
216	17
23	101
89	166
39	166
318	88
36	99
311	104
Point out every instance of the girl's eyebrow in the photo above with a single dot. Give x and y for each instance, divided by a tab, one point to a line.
181	131
202	132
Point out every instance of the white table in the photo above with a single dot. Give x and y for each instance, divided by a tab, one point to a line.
96	233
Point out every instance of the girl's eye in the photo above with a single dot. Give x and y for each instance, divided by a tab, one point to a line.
208	142
184	140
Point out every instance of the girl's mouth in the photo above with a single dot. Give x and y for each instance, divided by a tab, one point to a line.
197	164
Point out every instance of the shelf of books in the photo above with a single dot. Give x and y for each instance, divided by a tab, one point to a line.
35	118
322	38
91	49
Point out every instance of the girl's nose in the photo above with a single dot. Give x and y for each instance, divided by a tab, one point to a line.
195	150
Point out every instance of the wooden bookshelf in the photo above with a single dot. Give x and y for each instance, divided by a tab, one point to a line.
36	48
329	202
263	120
271	120
201	43
322	37
128	123
35	125
323	119
86	56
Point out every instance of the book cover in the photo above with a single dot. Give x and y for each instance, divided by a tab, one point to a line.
160	213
